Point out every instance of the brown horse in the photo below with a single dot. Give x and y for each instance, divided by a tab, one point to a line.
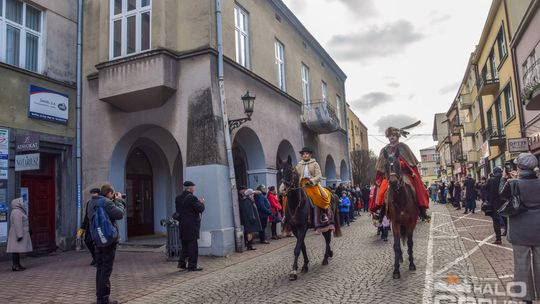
297	216
402	210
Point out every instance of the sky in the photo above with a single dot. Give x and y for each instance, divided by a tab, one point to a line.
404	59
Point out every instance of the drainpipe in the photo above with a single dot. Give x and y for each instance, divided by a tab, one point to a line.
78	109
351	180
238	232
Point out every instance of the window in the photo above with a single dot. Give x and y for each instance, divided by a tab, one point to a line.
280	64
241	24
305	85
20	33
338	108
490	118
129	27
501	42
509	102
324	90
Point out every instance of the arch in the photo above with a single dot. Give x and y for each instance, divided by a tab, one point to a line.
248	140
344	171
285	149
330	170
165	159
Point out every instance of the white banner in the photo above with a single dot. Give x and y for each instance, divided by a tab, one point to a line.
48	105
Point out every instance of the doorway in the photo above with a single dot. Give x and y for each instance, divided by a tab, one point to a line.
140	194
40	188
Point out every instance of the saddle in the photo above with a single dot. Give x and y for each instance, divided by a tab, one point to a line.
318	195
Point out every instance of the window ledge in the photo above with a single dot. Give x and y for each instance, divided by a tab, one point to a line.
509	120
502	62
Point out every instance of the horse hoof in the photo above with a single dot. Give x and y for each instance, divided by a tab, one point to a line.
412	267
396	275
331	254
305	269
325	262
293	276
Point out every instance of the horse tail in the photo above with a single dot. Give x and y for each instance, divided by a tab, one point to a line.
337	226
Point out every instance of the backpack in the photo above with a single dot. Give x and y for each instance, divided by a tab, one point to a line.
104	233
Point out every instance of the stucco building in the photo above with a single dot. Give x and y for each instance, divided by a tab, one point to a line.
153	112
358	136
429	165
37	118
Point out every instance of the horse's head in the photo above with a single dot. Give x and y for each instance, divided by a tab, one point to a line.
393	169
289	176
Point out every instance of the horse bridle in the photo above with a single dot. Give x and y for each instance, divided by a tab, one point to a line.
395	157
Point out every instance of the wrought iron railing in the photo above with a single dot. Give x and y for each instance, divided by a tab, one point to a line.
321	117
531	79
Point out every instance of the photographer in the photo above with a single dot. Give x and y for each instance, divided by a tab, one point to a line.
523	228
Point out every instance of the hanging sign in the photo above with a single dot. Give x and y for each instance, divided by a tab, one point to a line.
48	105
26	162
27	143
518	145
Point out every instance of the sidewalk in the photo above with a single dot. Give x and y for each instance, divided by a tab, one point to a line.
68	277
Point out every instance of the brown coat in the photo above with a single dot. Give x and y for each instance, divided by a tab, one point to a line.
314	170
404	151
19	227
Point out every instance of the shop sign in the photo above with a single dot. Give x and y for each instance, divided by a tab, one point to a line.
4	139
48	105
518	145
26	162
27	143
535	141
4	158
485	149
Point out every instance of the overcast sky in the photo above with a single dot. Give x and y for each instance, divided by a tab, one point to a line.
404	59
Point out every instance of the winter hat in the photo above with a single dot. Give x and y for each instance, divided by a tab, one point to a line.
248	192
526	161
497	170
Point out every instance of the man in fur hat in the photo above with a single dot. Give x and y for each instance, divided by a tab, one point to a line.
409	168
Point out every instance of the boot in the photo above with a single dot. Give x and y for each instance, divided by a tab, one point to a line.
17	263
250	245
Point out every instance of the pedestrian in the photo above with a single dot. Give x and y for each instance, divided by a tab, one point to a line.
249	217
434	189
19	240
523	228
470	194
344	205
264	209
457	196
114	208
365	197
85	229
385	228
188	212
451	191
352	206
495	201
443	193
275	218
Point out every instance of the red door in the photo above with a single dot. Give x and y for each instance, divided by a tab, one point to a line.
41	205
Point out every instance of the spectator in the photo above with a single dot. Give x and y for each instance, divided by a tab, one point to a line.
470	194
442	190
344	205
385	228
19	240
456	202
365	197
114	207
495	201
188	213
523	228
433	191
352	204
85	229
263	207
249	217
451	191
275	218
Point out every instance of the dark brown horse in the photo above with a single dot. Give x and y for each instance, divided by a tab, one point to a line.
297	215
402	210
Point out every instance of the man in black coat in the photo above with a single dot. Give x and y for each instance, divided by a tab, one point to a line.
188	213
495	201
470	194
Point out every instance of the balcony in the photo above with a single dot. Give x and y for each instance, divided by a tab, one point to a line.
465	101
455	126
140	82
468	129
472	156
531	87
488	83
496	136
320	117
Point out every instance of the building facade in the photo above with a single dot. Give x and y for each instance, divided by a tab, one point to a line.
526	49
152	105
429	165
37	121
442	136
358	136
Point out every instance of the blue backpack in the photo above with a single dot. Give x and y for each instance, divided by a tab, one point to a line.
104	233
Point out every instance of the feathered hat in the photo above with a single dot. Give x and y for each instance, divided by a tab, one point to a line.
400	131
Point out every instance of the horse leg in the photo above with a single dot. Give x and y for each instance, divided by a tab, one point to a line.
410	251
397	251
328	252
306	260
300	234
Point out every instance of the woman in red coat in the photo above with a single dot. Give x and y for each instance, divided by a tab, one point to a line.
275	207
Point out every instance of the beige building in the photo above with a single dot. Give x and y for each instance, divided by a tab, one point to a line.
155	108
358	137
442	136
429	165
37	118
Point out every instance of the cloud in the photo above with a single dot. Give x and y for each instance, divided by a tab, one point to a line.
449	88
393	84
378	41
297	6
361	8
371	100
440	19
394	120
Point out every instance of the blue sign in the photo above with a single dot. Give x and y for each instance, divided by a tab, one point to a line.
48	105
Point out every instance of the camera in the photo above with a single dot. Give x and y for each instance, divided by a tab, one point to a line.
508	166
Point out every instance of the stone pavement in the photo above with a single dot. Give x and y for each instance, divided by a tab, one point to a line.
450	264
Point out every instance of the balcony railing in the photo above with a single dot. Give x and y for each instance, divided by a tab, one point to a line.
488	83
320	117
472	156
468	129
455	126
465	101
496	136
531	86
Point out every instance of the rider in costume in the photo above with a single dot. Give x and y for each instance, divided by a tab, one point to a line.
409	169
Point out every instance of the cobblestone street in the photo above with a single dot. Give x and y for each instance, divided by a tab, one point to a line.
451	255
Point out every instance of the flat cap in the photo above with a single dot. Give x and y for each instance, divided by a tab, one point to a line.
95	190
188	184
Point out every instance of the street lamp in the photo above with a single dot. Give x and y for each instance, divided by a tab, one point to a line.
249	102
